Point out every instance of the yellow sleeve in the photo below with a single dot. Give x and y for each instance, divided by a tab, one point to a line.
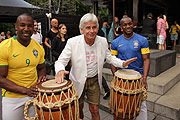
42	60
170	30
178	26
114	52
4	56
145	50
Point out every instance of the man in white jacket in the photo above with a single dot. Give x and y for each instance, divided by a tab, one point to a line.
87	53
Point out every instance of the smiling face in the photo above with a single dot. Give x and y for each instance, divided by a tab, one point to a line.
63	30
90	31
24	26
35	26
127	26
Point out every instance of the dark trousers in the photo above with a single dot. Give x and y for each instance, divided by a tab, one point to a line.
104	84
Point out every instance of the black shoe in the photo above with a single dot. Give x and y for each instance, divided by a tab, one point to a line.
106	95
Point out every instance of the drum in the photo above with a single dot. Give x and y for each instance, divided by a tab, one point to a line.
56	101
127	94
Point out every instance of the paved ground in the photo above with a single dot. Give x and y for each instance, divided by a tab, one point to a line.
103	114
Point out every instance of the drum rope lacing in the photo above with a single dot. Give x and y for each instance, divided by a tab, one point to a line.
117	86
72	96
129	91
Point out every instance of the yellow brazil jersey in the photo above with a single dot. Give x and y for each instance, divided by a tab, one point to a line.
21	62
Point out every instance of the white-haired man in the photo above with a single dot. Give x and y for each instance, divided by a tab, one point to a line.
87	53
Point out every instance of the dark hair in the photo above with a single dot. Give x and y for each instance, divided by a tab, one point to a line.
124	19
34	21
24	14
58	34
161	16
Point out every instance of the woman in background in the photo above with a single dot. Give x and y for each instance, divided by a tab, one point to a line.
167	27
59	42
113	34
174	33
3	37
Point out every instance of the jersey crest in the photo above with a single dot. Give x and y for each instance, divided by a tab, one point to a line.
35	53
136	44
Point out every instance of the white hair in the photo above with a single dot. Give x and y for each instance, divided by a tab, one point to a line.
89	17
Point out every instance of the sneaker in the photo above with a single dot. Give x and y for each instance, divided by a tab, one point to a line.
106	95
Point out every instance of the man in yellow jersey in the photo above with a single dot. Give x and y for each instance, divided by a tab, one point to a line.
21	67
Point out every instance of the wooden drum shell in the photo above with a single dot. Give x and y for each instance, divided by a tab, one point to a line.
57	103
126	97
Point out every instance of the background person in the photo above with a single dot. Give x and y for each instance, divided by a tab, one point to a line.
130	45
105	28
52	32
59	43
149	28
50	36
113	32
3	37
21	67
148	25
161	32
87	53
174	33
167	27
103	32
8	35
36	35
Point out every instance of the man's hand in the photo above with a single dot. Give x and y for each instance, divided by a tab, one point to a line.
127	62
42	79
32	91
59	78
144	83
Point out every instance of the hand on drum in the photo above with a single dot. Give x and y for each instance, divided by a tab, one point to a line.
42	79
32	91
59	78
127	62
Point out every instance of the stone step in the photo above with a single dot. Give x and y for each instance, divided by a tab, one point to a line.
168	105
151	99
161	60
177	48
166	80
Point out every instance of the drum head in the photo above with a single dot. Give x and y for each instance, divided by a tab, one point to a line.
128	74
52	85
